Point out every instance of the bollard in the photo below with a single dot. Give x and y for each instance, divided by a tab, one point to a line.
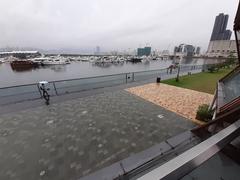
158	79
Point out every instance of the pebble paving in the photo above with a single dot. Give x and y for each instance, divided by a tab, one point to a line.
72	139
184	102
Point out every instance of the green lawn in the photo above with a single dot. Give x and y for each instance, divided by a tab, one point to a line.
204	82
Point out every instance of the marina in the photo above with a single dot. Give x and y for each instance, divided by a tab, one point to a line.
59	68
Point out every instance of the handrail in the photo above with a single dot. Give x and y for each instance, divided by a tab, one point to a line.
109	75
194	157
230	74
235	101
8	87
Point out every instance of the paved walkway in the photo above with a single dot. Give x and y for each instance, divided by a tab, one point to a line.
185	102
68	140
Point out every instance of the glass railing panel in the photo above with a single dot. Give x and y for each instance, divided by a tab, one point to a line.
19	93
64	87
140	76
9	91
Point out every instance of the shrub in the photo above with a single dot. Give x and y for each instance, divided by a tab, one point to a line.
203	114
212	68
231	60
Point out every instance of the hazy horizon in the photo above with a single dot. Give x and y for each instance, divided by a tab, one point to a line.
113	25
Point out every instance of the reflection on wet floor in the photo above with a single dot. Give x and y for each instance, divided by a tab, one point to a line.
72	139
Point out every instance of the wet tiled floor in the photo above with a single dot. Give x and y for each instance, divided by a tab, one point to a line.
74	138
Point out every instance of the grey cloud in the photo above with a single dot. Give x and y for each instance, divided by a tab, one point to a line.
112	24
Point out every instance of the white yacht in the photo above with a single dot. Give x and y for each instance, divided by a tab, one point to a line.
55	61
85	59
40	60
67	61
146	59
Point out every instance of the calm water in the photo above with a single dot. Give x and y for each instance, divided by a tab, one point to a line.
10	77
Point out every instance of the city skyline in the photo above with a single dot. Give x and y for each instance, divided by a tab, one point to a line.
220	31
118	25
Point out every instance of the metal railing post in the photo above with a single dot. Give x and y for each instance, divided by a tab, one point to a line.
126	78
178	72
39	91
55	88
133	77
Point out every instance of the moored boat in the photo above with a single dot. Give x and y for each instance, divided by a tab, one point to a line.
56	61
23	65
135	59
40	60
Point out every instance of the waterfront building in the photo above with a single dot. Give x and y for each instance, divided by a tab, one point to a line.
165	53
20	53
146	51
185	50
197	51
219	30
222	48
97	50
220	44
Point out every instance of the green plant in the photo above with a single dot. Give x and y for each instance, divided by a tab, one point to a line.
213	67
203	113
231	60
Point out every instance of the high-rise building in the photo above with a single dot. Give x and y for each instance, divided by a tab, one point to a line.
146	51
197	51
185	50
220	44
97	50
220	31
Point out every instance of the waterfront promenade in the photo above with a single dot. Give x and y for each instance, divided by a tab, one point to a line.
80	133
71	139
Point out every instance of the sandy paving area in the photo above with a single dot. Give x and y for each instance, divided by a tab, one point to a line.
182	101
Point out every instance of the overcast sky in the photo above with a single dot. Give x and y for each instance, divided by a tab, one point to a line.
111	24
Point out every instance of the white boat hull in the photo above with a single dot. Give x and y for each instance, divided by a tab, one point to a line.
54	62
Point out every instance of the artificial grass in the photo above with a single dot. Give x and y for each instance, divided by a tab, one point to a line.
203	82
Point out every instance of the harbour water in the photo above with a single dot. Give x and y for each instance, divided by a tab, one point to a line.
10	77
